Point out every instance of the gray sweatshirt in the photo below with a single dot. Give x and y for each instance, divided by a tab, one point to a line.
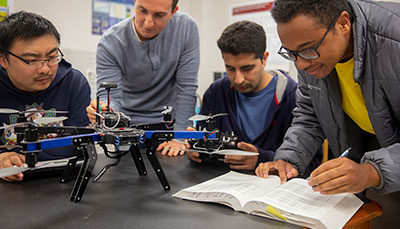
151	74
319	114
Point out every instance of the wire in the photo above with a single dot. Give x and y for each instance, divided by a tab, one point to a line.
116	154
116	124
101	116
105	168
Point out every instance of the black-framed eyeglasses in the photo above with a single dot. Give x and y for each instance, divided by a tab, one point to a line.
308	53
36	64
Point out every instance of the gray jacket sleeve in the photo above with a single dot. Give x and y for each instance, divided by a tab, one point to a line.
386	161
304	138
186	78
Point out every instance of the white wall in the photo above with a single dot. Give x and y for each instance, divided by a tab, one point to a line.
73	19
212	17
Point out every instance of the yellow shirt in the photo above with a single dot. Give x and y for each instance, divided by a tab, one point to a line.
352	99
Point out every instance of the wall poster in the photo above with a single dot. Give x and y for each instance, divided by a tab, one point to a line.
3	9
106	13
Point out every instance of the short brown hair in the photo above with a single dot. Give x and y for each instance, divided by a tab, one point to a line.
174	4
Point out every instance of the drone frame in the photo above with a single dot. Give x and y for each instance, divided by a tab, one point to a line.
84	139
84	144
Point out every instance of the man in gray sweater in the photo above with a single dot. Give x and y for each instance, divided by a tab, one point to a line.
347	54
154	58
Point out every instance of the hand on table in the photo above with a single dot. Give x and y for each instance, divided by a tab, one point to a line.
284	169
171	148
9	159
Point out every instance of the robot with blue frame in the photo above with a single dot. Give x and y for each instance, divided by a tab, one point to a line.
116	131
84	145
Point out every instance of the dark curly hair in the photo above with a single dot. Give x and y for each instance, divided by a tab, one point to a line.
24	25
325	11
243	37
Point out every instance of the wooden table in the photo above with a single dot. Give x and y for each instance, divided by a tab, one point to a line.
364	215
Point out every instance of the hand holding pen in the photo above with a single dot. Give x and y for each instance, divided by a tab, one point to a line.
341	175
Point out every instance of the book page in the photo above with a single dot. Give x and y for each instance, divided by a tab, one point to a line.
298	198
293	202
231	185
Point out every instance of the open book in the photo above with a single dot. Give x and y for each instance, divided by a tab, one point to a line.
293	202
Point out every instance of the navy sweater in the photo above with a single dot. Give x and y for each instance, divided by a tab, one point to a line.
220	98
69	91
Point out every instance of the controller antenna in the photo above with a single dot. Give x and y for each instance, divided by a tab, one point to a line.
108	86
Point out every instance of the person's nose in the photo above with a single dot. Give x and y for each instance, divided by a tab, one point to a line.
302	63
148	22
239	77
45	68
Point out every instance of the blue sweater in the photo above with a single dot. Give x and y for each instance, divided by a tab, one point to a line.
220	98
69	91
151	74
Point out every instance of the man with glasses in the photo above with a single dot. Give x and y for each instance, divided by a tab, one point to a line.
34	75
347	56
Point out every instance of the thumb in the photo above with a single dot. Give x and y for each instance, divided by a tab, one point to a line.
242	146
247	147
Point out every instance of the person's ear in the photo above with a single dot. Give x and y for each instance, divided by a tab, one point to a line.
174	11
265	58
3	61
344	22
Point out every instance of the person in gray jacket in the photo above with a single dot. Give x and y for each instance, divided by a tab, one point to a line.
347	56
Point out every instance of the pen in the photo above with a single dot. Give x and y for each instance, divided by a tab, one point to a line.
344	154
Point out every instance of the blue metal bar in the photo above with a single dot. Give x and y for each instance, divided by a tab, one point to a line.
184	134
68	141
57	142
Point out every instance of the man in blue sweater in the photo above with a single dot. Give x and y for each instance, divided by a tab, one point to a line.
154	58
259	102
33	75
